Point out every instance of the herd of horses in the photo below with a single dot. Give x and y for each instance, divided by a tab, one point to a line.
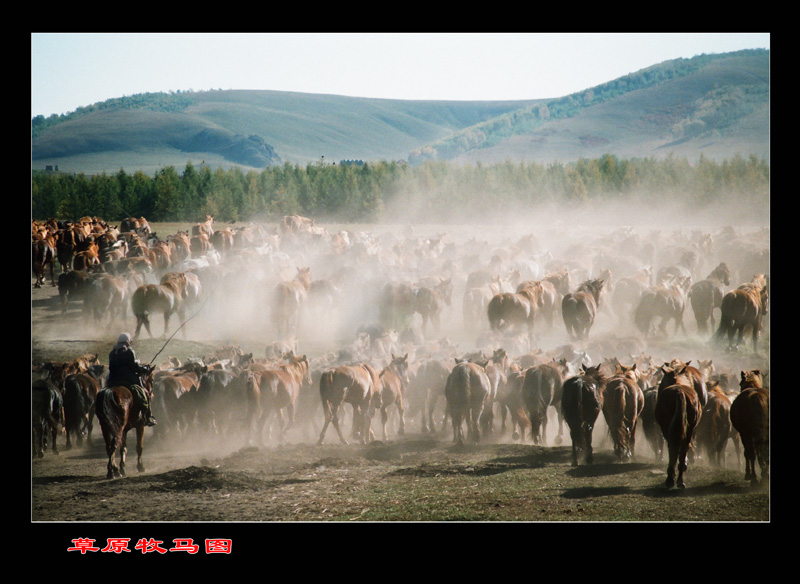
683	410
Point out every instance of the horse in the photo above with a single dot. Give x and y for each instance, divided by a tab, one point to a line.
581	404
360	386
714	428
47	407
466	391
428	303
628	291
686	374
118	413
495	369
513	309
652	432
678	411
166	298
396	305
667	303
277	390
428	387
288	301
394	378
706	295
541	388
743	307
750	416
43	254
205	228
579	308
622	405
80	391
511	404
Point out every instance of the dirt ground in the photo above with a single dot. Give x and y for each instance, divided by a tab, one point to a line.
412	478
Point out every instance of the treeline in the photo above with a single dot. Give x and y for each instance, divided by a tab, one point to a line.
385	191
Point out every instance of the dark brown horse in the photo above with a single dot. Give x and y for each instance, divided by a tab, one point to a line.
515	309
47	415
678	412
741	308
427	388
360	386
622	406
289	301
706	295
714	428
43	255
394	380
80	391
750	417
579	308
466	392
581	404
118	413
652	432
277	391
541	389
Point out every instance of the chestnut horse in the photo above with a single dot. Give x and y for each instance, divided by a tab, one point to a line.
428	302
289	300
512	309
466	391
80	391
541	388
118	413
715	425
743	307
579	308
750	417
360	386
394	378
166	298
622	407
276	390
581	403
678	412
665	302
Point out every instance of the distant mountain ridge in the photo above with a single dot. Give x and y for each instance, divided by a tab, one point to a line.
711	105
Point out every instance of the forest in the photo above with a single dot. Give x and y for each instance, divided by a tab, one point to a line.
384	191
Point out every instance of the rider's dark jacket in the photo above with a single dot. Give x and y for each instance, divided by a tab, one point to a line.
123	368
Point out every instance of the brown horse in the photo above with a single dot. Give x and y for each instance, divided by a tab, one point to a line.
581	403
427	388
47	407
622	407
360	386
516	309
466	392
579	308
205	228
289	300
706	295
741	308
118	413
277	391
80	391
664	302
43	255
750	417
541	389
396	305
394	378
166	298
686	374
428	303
678	412
714	428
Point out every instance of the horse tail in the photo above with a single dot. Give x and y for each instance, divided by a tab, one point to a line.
108	412
679	421
617	425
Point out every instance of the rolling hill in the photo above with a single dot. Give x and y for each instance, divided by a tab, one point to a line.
712	105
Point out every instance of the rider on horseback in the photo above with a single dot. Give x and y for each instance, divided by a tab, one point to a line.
124	369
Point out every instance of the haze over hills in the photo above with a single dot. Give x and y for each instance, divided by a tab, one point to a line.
716	106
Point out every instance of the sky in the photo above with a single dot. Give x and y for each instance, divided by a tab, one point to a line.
72	70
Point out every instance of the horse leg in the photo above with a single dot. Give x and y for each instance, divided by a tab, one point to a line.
588	445
384	420
139	447
123	453
672	461
401	411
